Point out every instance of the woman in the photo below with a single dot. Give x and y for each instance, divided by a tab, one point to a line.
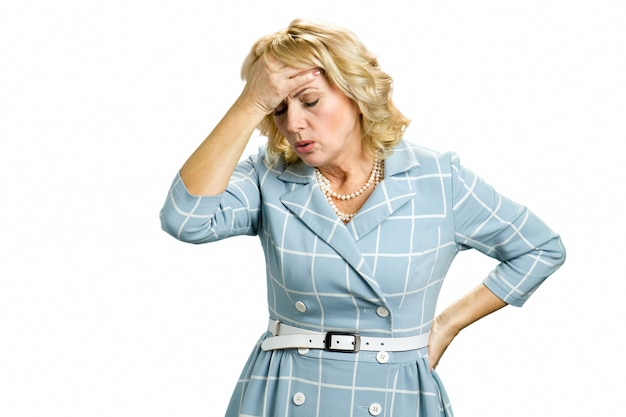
358	227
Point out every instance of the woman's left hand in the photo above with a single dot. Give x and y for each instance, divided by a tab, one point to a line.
440	338
473	306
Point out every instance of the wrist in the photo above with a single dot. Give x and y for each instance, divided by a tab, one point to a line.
250	107
446	324
473	306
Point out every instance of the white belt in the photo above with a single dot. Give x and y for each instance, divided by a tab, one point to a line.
286	337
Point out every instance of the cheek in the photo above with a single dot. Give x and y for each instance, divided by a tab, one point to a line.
331	114
340	116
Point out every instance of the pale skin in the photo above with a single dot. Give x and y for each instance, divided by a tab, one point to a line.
209	168
322	126
473	306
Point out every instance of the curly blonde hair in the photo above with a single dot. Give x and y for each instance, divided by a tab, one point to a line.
347	64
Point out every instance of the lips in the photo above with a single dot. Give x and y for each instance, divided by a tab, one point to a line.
304	146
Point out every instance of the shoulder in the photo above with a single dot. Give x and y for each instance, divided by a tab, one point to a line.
408	156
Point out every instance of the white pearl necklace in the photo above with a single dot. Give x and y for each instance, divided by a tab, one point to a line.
375	177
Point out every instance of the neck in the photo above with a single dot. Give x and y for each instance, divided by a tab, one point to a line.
374	176
350	170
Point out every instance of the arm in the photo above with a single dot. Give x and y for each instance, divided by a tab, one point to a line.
528	251
475	305
209	168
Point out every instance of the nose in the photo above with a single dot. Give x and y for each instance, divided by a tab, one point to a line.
295	119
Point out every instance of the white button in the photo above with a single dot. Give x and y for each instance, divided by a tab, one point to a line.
375	409
298	398
382	357
303	351
382	312
300	306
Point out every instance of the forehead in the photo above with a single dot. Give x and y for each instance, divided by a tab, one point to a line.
319	84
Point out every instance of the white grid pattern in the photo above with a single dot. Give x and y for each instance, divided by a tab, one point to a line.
393	254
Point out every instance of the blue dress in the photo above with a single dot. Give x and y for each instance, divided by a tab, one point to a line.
379	275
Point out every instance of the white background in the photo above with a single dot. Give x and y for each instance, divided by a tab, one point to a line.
103	314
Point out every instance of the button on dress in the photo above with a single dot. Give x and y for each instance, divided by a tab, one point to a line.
379	275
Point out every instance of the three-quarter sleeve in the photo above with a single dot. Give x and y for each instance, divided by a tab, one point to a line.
528	250
201	219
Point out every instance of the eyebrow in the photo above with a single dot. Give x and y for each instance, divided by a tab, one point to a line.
299	93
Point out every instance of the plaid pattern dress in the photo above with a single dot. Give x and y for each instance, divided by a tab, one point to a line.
379	275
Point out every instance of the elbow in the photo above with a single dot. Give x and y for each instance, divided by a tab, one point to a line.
168	225
554	251
179	229
563	253
186	217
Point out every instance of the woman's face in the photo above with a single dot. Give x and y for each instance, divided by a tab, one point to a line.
321	124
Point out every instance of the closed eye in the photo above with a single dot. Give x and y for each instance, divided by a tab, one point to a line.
280	110
311	103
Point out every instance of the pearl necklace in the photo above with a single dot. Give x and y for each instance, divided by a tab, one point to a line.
375	177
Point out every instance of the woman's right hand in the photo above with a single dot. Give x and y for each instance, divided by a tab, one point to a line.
208	170
269	82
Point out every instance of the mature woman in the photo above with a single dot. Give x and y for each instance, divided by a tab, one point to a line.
358	227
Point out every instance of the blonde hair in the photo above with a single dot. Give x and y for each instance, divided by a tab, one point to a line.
347	64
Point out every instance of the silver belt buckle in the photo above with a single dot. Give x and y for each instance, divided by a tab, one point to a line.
342	342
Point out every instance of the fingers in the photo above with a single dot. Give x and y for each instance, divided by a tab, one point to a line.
305	75
438	342
301	79
293	76
433	358
270	82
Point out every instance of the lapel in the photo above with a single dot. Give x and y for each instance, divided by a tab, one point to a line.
307	202
388	196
